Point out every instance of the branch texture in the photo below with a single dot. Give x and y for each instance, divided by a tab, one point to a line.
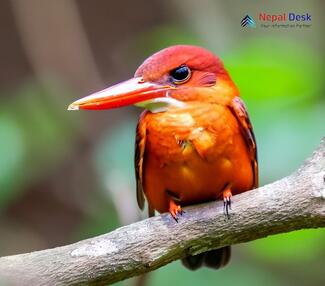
292	203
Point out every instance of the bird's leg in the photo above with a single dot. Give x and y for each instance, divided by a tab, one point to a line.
174	209
226	194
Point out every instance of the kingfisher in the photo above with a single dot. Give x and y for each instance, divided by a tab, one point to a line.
194	139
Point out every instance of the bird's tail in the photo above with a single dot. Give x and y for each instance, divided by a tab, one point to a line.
214	259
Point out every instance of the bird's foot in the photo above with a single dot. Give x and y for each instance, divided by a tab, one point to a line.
227	202
175	210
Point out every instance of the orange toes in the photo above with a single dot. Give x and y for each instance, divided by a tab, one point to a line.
175	210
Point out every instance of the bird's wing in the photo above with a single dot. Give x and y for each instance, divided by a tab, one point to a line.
140	142
238	108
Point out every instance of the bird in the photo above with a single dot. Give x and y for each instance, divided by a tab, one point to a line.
194	140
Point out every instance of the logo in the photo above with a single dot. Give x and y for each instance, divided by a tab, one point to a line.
278	20
248	21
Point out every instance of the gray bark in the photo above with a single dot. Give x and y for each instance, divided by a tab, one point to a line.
292	203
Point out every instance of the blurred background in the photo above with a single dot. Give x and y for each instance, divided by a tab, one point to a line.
66	176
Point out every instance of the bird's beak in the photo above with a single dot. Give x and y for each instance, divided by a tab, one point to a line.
129	92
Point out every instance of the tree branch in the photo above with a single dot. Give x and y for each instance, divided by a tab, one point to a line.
292	203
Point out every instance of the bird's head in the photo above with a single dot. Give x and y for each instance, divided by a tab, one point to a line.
172	76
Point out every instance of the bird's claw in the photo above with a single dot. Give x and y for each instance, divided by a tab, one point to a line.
227	202
175	211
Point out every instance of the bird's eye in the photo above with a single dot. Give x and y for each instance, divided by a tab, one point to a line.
180	75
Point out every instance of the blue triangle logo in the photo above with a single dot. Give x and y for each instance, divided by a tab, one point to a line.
248	21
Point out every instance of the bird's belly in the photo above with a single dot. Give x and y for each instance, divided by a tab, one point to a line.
195	180
191	178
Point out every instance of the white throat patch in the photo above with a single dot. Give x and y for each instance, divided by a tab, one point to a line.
160	104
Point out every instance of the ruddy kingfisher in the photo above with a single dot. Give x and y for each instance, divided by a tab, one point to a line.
194	141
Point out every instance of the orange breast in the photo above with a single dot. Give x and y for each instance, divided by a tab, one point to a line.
193	153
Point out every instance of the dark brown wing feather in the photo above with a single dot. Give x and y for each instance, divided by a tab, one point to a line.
140	142
239	110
